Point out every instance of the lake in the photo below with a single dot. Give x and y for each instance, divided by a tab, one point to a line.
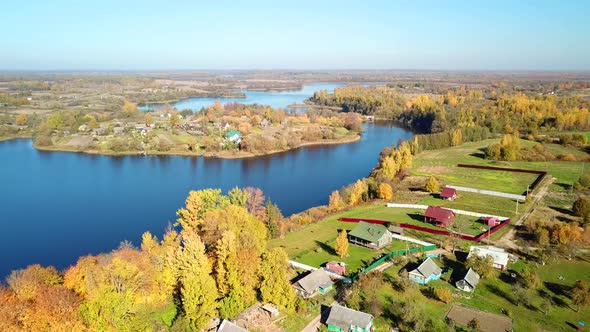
275	99
57	206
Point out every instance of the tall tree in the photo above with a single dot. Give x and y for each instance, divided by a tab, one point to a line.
275	286
432	186
197	286
581	294
335	200
342	244
129	108
384	191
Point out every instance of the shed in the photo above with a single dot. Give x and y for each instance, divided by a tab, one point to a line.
426	272
233	136
272	309
369	235
227	326
345	319
316	282
448	193
336	267
439	216
469	281
491	221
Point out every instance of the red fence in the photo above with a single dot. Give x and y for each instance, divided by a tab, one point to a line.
477	238
370	221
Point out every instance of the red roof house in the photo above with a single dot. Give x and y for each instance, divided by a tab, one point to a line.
336	267
491	221
448	193
439	216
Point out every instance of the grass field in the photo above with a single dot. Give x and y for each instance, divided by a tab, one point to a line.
496	294
314	244
442	164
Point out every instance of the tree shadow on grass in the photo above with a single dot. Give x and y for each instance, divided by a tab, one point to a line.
497	291
479	154
557	289
326	248
562	210
459	269
554	299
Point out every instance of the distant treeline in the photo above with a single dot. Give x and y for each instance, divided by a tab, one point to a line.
464	108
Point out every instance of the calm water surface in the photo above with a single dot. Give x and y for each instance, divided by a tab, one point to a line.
280	99
57	206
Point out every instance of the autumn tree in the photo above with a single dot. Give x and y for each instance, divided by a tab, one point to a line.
359	189
443	294
273	217
197	204
148	119
238	197
255	201
342	244
91	121
28	282
335	200
197	286
275	286
129	108
432	186
389	168
21	119
384	191
581	294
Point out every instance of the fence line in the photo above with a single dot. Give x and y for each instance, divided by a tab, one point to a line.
489	192
410	239
456	211
311	268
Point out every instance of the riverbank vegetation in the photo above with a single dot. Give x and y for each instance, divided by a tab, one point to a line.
215	263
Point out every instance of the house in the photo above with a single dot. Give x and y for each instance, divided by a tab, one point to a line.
426	272
83	128
345	319
316	282
227	326
233	136
369	235
439	216
500	256
336	267
448	193
469	281
491	221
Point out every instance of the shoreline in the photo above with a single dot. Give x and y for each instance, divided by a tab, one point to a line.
219	155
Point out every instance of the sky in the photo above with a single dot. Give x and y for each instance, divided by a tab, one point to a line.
303	34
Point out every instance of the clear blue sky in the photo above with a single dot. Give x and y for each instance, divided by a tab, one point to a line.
223	34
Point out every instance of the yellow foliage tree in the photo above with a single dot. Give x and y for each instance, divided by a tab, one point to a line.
21	119
129	108
389	167
385	191
335	200
432	186
342	244
358	190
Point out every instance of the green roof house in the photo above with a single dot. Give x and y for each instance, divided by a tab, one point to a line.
233	136
342	319
369	235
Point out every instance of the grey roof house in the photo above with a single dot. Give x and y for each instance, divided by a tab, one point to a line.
469	282
369	235
227	326
345	319
316	282
426	272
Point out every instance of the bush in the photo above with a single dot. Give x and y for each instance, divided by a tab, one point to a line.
443	294
43	140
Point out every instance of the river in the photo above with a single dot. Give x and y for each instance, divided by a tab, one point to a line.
275	99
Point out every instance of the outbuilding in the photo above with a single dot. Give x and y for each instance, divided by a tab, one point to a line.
448	193
469	281
439	216
316	282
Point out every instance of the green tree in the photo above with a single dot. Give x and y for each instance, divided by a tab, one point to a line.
432	186
342	244
197	286
484	266
238	197
581	208
275	286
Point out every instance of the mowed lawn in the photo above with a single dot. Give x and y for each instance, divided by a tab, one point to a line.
497	294
443	165
314	244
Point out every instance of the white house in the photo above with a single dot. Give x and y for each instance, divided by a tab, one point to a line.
500	256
